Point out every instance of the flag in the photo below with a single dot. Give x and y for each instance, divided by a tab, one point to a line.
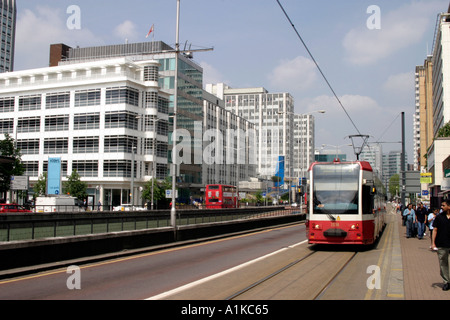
150	31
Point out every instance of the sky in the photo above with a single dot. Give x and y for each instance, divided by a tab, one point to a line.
367	50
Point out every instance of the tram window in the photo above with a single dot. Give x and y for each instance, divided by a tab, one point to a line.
367	200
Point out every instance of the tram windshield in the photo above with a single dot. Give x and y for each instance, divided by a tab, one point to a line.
335	188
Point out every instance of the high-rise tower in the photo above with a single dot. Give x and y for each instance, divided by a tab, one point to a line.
8	12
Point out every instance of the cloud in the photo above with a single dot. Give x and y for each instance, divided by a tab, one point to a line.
400	29
212	75
353	104
126	30
39	28
402	83
298	74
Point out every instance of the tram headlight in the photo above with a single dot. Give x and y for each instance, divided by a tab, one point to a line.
354	227
317	227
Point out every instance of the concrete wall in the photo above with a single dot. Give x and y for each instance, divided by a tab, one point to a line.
19	254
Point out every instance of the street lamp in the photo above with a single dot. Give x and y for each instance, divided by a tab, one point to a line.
154	159
175	103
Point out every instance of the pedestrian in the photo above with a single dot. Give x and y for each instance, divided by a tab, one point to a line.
410	220
430	220
441	241
421	216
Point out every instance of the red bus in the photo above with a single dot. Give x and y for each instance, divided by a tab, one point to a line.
218	196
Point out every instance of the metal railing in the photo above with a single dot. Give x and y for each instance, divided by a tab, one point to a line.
32	226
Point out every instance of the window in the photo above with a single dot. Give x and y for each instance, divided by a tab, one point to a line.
30	103
57	100
122	95
84	121
151	73
7	125
151	99
85	145
32	124
86	168
85	98
163	105
117	168
56	123
31	168
121	119
119	144
28	146
6	104
56	145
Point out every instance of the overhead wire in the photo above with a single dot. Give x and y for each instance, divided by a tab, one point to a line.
318	67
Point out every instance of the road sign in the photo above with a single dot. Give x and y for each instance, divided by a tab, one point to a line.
426	177
19	182
169	194
412	182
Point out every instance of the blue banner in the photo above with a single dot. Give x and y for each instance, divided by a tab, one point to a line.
54	176
280	171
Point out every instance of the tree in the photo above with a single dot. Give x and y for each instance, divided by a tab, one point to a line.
14	168
159	190
75	187
41	185
394	185
444	131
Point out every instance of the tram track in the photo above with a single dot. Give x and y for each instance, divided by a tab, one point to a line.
306	278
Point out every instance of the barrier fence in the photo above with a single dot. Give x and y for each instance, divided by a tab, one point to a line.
16	227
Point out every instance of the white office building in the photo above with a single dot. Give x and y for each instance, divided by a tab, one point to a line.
273	116
106	119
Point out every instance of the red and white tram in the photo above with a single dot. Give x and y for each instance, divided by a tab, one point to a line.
345	206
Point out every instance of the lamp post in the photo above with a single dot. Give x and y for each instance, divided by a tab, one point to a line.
175	102
154	159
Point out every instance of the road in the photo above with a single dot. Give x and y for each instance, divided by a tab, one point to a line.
146	275
274	264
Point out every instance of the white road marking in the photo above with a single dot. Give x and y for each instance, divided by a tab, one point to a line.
217	275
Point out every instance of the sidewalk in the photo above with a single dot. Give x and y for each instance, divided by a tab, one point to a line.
421	274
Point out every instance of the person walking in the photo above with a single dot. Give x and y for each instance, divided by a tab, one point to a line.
410	220
441	241
430	220
421	217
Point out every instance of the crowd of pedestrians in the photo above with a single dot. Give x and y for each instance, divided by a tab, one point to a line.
418	219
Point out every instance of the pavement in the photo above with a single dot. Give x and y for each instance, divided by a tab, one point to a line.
421	273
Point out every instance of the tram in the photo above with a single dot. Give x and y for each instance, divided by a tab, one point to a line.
219	196
346	203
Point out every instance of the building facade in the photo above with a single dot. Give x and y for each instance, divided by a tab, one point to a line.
191	109
107	119
8	13
441	72
273	116
303	144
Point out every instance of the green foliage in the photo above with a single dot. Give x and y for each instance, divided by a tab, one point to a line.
159	190
15	168
75	187
444	131
394	185
41	185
